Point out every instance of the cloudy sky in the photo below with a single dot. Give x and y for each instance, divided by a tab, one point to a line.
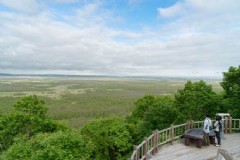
120	37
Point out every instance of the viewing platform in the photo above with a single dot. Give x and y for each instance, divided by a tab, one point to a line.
170	144
179	151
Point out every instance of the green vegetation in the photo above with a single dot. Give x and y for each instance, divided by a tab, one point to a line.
27	131
231	86
28	118
77	101
195	100
60	145
149	111
190	103
110	137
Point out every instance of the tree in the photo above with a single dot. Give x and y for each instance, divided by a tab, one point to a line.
68	145
151	113
231	86
110	137
194	100
28	119
142	107
31	105
161	114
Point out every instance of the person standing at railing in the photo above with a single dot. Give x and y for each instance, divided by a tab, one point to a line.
218	129
206	130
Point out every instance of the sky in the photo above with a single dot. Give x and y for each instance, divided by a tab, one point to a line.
120	37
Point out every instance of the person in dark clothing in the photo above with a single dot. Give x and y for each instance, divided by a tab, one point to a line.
218	127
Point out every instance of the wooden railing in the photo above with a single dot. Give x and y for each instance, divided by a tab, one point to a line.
221	153
150	144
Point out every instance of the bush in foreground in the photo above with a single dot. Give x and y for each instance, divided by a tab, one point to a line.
110	136
61	145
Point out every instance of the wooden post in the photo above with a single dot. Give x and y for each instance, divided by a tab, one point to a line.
226	125
136	157
191	124
172	134
230	125
187	126
153	143
156	141
238	124
145	149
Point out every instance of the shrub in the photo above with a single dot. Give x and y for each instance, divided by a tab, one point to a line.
61	145
110	136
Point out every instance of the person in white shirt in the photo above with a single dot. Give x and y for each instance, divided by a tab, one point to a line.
206	130
218	128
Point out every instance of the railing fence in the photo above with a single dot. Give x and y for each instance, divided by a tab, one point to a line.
223	155
150	144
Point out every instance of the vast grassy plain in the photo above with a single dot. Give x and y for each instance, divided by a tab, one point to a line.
75	101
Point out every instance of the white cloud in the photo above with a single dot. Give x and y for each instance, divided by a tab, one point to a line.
25	6
66	1
201	39
175	10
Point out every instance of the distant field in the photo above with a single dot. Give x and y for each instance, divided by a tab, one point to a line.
78	100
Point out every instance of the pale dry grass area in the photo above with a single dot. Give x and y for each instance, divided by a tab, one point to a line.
78	99
54	92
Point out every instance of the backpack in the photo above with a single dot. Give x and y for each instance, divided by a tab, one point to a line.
220	126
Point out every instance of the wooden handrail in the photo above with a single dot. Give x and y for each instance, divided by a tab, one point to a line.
150	145
223	153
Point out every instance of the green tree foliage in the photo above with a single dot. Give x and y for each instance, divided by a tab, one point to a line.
152	113
60	145
110	136
31	105
28	118
135	120
161	114
142	106
231	86
195	100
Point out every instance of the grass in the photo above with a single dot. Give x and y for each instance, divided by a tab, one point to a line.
75	101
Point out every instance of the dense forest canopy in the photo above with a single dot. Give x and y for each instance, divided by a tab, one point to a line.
29	133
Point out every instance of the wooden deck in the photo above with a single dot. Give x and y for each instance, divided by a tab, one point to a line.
178	151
